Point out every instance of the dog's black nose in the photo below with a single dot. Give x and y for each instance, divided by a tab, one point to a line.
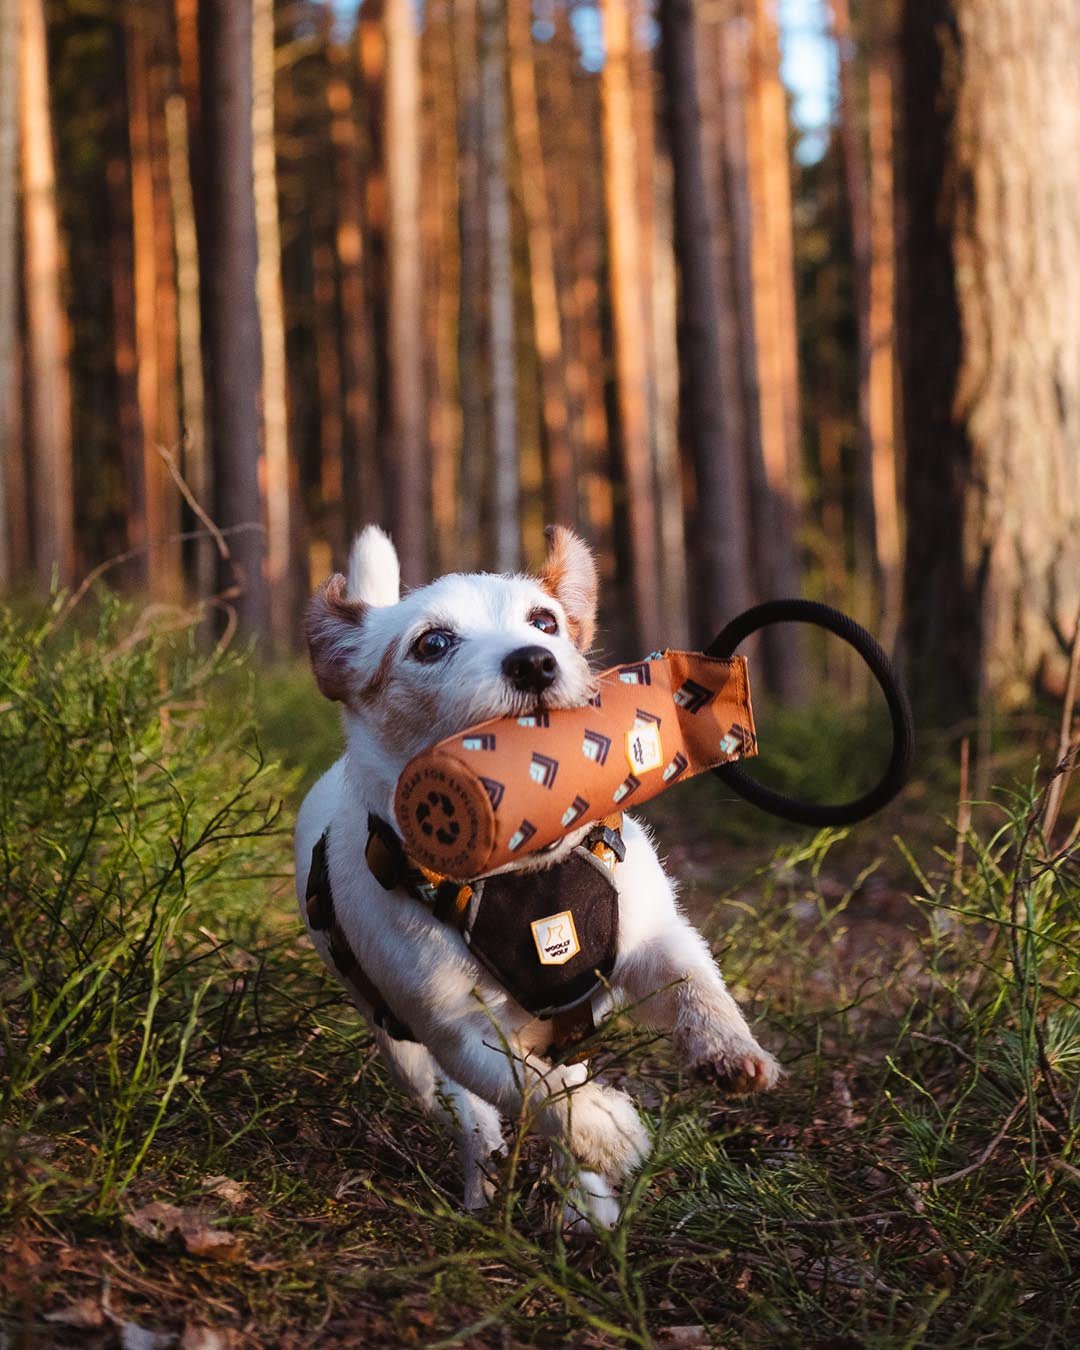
530	669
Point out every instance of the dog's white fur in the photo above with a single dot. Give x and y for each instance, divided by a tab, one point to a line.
482	1056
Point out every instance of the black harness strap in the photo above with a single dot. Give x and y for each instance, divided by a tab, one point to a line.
323	919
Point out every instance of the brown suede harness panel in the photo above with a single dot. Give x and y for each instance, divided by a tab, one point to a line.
515	785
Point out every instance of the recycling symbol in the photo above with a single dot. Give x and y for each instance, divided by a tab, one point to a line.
435	816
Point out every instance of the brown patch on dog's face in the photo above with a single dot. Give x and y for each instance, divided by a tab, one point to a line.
331	626
378	682
569	574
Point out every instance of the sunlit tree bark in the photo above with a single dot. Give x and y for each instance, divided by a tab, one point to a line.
868	173
404	304
628	318
277	477
547	320
992	346
443	284
9	264
48	423
155	363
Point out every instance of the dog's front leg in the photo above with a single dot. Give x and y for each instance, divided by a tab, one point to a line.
668	975
599	1126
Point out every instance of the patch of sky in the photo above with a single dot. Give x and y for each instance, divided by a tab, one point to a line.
808	68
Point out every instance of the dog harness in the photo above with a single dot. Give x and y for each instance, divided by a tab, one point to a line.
549	937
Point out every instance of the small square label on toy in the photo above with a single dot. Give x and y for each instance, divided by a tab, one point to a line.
556	939
643	748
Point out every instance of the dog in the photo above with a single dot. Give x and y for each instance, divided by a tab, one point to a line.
408	671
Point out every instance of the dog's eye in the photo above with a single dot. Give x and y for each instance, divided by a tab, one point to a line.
545	621
433	645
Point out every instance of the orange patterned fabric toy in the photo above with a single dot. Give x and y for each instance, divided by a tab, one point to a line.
516	785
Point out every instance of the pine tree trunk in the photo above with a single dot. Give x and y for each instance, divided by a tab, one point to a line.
125	332
404	302
443	285
161	518
9	265
719	544
48	423
229	250
777	507
547	320
628	319
571	118
192	397
278	485
475	442
373	473
504	422
362	489
881	327
992	348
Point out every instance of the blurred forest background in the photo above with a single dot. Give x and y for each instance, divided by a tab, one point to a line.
463	267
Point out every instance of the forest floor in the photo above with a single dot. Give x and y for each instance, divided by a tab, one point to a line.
239	1172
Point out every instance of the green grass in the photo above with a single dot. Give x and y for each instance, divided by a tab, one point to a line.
164	1025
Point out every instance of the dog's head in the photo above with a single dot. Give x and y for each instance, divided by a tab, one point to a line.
413	669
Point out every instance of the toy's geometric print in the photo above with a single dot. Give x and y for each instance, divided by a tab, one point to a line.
643	718
628	785
595	746
643	748
693	696
543	769
677	765
485	741
574	811
494	791
521	835
736	739
435	816
556	939
638	673
540	719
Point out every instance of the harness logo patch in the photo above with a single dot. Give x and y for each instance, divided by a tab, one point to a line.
556	939
643	748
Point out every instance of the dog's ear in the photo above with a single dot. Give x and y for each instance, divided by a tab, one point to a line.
374	571
569	573
332	627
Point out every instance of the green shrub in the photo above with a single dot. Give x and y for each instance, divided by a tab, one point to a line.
139	831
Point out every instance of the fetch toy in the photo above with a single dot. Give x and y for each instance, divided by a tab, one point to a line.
515	786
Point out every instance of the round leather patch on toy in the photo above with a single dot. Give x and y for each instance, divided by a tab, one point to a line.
445	817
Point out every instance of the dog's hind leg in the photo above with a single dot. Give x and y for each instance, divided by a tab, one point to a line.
475	1124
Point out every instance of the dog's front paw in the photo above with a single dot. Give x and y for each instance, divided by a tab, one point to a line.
605	1132
740	1068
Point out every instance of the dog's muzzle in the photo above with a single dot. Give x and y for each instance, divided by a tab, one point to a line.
515	785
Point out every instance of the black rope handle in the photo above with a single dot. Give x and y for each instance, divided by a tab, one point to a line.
903	726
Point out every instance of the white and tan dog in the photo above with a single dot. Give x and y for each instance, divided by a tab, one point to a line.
409	671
